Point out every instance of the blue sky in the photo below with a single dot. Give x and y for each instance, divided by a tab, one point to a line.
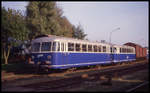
98	19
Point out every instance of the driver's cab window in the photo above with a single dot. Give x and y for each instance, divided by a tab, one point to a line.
54	46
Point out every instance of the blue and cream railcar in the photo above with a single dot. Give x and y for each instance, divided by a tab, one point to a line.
60	52
123	53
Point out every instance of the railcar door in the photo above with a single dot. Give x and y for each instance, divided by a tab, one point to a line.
64	59
115	54
111	54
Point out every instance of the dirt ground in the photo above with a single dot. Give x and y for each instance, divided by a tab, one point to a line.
13	82
119	84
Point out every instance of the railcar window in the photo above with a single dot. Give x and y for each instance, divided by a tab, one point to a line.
104	48
84	48
46	46
115	50
89	48
62	46
111	49
54	46
128	50
125	50
78	47
120	50
35	47
70	46
95	48
58	49
99	48
131	50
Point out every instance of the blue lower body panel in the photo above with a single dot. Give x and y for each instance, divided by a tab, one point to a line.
124	57
80	59
61	60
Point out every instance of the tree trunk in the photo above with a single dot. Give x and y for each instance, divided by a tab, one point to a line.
6	55
6	60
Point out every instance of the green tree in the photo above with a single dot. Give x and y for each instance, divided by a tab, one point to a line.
13	26
78	32
46	18
66	27
41	18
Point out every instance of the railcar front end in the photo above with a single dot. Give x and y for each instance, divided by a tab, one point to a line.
43	53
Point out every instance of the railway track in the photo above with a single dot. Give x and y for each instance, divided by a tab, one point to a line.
60	72
137	87
95	76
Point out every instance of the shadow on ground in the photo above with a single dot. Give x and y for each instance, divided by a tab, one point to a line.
24	68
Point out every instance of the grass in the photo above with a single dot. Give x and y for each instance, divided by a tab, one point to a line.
13	66
17	67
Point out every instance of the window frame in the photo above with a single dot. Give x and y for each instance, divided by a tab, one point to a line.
39	47
104	47
62	47
95	49
72	47
58	46
54	47
84	48
49	47
77	47
99	48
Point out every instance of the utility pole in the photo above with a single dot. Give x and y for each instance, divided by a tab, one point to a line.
111	46
111	34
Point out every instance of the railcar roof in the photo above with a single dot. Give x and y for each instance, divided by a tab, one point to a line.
50	38
64	39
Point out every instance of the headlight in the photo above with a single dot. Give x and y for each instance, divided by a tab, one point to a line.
48	62
32	57
38	63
